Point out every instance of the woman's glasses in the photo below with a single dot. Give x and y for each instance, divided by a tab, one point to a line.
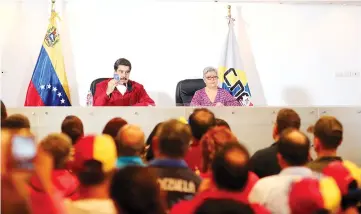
212	77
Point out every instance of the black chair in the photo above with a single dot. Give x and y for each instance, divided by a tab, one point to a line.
94	83
185	90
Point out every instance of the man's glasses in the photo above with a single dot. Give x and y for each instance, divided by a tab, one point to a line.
212	77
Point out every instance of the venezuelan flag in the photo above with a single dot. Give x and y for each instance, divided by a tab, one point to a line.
232	77
49	84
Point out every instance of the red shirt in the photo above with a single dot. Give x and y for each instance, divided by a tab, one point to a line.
134	96
66	186
190	206
194	156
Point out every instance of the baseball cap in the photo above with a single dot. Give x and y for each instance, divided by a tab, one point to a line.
309	195
326	124
344	172
96	147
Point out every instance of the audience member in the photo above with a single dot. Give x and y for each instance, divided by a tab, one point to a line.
113	126
170	145
327	138
212	142
73	127
16	121
94	164
264	162
4	113
223	206
200	121
293	149
221	122
312	195
14	197
230	175
58	146
130	146
149	148
110	174
348	178
135	189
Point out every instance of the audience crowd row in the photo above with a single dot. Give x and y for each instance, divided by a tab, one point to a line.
183	167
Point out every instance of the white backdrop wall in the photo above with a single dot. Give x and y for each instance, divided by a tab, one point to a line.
291	53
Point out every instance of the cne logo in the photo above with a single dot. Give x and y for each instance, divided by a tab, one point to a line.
236	88
52	37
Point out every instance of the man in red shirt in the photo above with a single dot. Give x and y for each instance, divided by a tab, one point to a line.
120	91
200	121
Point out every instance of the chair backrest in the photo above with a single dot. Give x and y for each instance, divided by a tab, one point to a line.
94	83
185	90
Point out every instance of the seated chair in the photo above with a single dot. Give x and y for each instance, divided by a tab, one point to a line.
185	90
94	83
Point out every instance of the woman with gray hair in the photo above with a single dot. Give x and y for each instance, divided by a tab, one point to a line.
212	95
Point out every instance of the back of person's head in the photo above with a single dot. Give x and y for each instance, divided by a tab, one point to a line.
293	148
287	118
221	122
200	121
130	141
59	146
135	189
113	126
16	121
212	142
73	127
223	206
4	113
94	159
230	167
150	153
173	138
328	132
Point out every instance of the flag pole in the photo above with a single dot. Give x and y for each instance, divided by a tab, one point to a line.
229	11
52	5
229	16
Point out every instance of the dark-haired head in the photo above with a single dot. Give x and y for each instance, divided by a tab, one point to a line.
328	134
91	174
221	122
113	126
172	139
293	148
230	167
135	189
200	121
223	206
73	127
286	118
122	68
4	113
16	121
150	155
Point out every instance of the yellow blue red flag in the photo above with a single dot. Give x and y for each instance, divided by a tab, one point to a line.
49	84
232	76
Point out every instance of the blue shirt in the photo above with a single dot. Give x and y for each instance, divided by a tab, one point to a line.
129	160
168	163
